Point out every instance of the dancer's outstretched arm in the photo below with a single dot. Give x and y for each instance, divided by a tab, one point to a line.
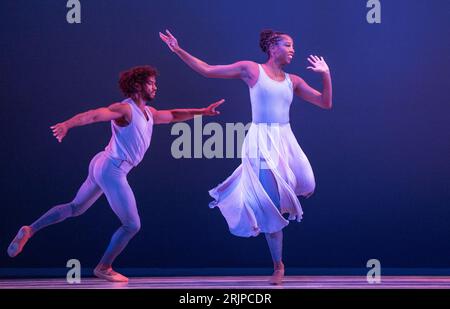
114	111
175	115
240	70
302	89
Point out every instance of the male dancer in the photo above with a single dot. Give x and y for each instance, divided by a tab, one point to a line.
132	124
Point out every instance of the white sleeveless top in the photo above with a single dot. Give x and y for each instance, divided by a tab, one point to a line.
271	99
131	142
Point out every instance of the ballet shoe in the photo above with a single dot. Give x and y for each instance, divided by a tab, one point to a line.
278	273
16	246
109	274
277	277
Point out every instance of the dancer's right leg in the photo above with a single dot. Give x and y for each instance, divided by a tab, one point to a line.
274	240
121	199
88	193
269	184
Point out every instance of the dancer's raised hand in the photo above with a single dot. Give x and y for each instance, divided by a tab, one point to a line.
318	64
170	40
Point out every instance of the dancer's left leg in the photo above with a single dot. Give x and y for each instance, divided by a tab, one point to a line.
88	193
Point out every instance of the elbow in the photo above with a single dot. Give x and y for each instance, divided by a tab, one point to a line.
327	103
174	117
92	116
207	71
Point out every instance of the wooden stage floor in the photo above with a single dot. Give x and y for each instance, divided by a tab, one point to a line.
235	282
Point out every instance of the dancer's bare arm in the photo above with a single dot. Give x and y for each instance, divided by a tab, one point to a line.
182	114
112	112
302	89
245	70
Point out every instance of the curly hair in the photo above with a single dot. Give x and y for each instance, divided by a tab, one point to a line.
129	79
268	38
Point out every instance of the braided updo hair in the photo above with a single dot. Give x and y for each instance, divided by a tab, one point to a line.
268	38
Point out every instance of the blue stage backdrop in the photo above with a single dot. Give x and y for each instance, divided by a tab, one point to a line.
380	155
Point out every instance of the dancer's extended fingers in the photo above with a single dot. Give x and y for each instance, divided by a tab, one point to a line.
165	39
170	34
218	103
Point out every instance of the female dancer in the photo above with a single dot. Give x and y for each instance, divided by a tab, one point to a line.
132	125
274	169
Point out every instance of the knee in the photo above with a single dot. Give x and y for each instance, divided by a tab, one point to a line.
133	227
76	209
275	235
270	235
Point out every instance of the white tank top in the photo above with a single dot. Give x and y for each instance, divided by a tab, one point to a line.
131	142
271	99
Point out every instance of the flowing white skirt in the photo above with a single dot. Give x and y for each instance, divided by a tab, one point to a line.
242	199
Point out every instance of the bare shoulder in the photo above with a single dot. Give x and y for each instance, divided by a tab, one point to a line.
296	78
297	81
249	66
250	72
247	63
119	107
153	110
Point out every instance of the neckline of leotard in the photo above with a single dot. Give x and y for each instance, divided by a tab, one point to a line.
267	75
